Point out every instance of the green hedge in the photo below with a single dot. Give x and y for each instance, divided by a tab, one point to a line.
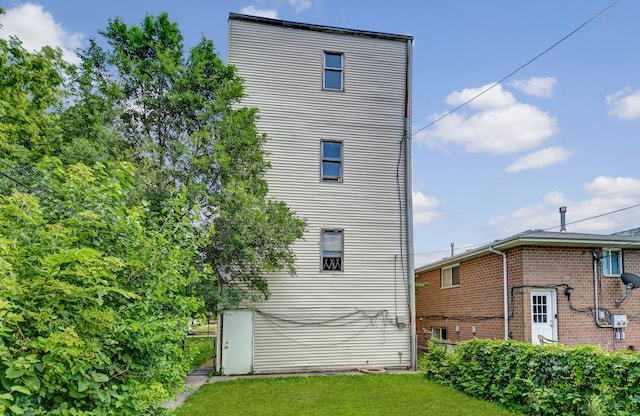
534	380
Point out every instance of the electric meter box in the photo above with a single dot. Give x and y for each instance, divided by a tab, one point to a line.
619	321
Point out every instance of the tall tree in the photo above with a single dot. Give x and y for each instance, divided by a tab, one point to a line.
176	114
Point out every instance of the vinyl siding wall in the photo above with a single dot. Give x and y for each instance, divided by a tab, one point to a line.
320	319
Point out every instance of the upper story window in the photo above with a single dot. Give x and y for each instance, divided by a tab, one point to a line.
333	78
611	262
332	250
331	161
450	276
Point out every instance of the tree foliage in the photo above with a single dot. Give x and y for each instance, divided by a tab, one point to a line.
130	187
177	114
93	307
31	85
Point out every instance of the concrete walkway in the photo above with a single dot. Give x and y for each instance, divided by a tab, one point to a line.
193	382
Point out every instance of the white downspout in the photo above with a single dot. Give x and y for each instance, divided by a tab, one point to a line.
409	213
505	290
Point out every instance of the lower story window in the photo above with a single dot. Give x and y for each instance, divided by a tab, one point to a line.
332	250
440	333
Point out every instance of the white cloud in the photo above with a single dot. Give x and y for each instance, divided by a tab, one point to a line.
608	185
300	5
500	124
254	11
425	209
625	104
605	194
540	159
37	28
536	86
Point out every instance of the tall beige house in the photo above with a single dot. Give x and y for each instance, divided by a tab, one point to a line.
335	104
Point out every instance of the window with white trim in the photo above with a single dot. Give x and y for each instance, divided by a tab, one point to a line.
331	165
611	262
450	276
332	250
333	74
440	333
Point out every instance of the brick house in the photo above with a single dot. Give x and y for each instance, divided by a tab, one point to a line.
552	286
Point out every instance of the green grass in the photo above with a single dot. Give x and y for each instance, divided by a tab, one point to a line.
202	348
388	395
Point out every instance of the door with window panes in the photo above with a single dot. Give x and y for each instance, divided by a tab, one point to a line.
543	316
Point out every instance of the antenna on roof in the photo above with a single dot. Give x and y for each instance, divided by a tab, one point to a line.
563	219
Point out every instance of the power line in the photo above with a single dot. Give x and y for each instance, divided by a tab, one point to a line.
596	216
546	229
517	69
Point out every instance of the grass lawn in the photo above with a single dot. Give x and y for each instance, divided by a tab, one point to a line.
378	394
204	350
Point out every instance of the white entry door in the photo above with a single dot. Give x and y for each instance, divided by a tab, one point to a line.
237	342
543	316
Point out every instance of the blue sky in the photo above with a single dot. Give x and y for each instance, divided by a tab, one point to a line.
562	131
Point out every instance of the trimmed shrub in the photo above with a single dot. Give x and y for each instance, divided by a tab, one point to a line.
534	380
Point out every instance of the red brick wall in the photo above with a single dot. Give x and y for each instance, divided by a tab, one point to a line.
478	301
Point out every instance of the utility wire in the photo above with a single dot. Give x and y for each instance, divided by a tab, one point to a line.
546	229
596	216
517	69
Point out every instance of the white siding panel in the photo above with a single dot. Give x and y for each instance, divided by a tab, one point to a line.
344	319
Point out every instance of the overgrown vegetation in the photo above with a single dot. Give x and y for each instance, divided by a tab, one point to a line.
200	350
534	380
389	395
131	189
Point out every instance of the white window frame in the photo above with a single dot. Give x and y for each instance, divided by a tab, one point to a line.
607	255
446	276
326	68
340	251
323	159
440	333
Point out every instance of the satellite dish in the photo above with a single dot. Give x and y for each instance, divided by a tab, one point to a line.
630	280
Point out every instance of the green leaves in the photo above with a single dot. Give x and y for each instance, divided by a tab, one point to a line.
93	307
538	380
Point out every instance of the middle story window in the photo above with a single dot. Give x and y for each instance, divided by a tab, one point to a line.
332	250
450	276
611	262
331	161
333	77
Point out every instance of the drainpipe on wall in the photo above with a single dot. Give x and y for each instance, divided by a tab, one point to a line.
409	210
505	290
595	290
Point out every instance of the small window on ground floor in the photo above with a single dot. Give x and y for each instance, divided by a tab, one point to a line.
440	333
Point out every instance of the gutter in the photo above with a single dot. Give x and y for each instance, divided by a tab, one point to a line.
595	291
409	212
505	290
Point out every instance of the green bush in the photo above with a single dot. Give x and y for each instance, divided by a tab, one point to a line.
534	380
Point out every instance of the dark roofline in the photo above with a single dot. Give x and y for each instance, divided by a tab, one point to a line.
319	28
537	238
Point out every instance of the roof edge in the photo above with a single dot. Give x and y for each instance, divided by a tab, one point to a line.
538	238
319	28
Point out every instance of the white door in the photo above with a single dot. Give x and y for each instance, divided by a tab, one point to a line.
237	342
543	316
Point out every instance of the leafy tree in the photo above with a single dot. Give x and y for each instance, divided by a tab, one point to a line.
177	117
31	85
93	309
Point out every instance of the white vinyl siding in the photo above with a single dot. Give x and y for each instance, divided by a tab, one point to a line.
332	319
